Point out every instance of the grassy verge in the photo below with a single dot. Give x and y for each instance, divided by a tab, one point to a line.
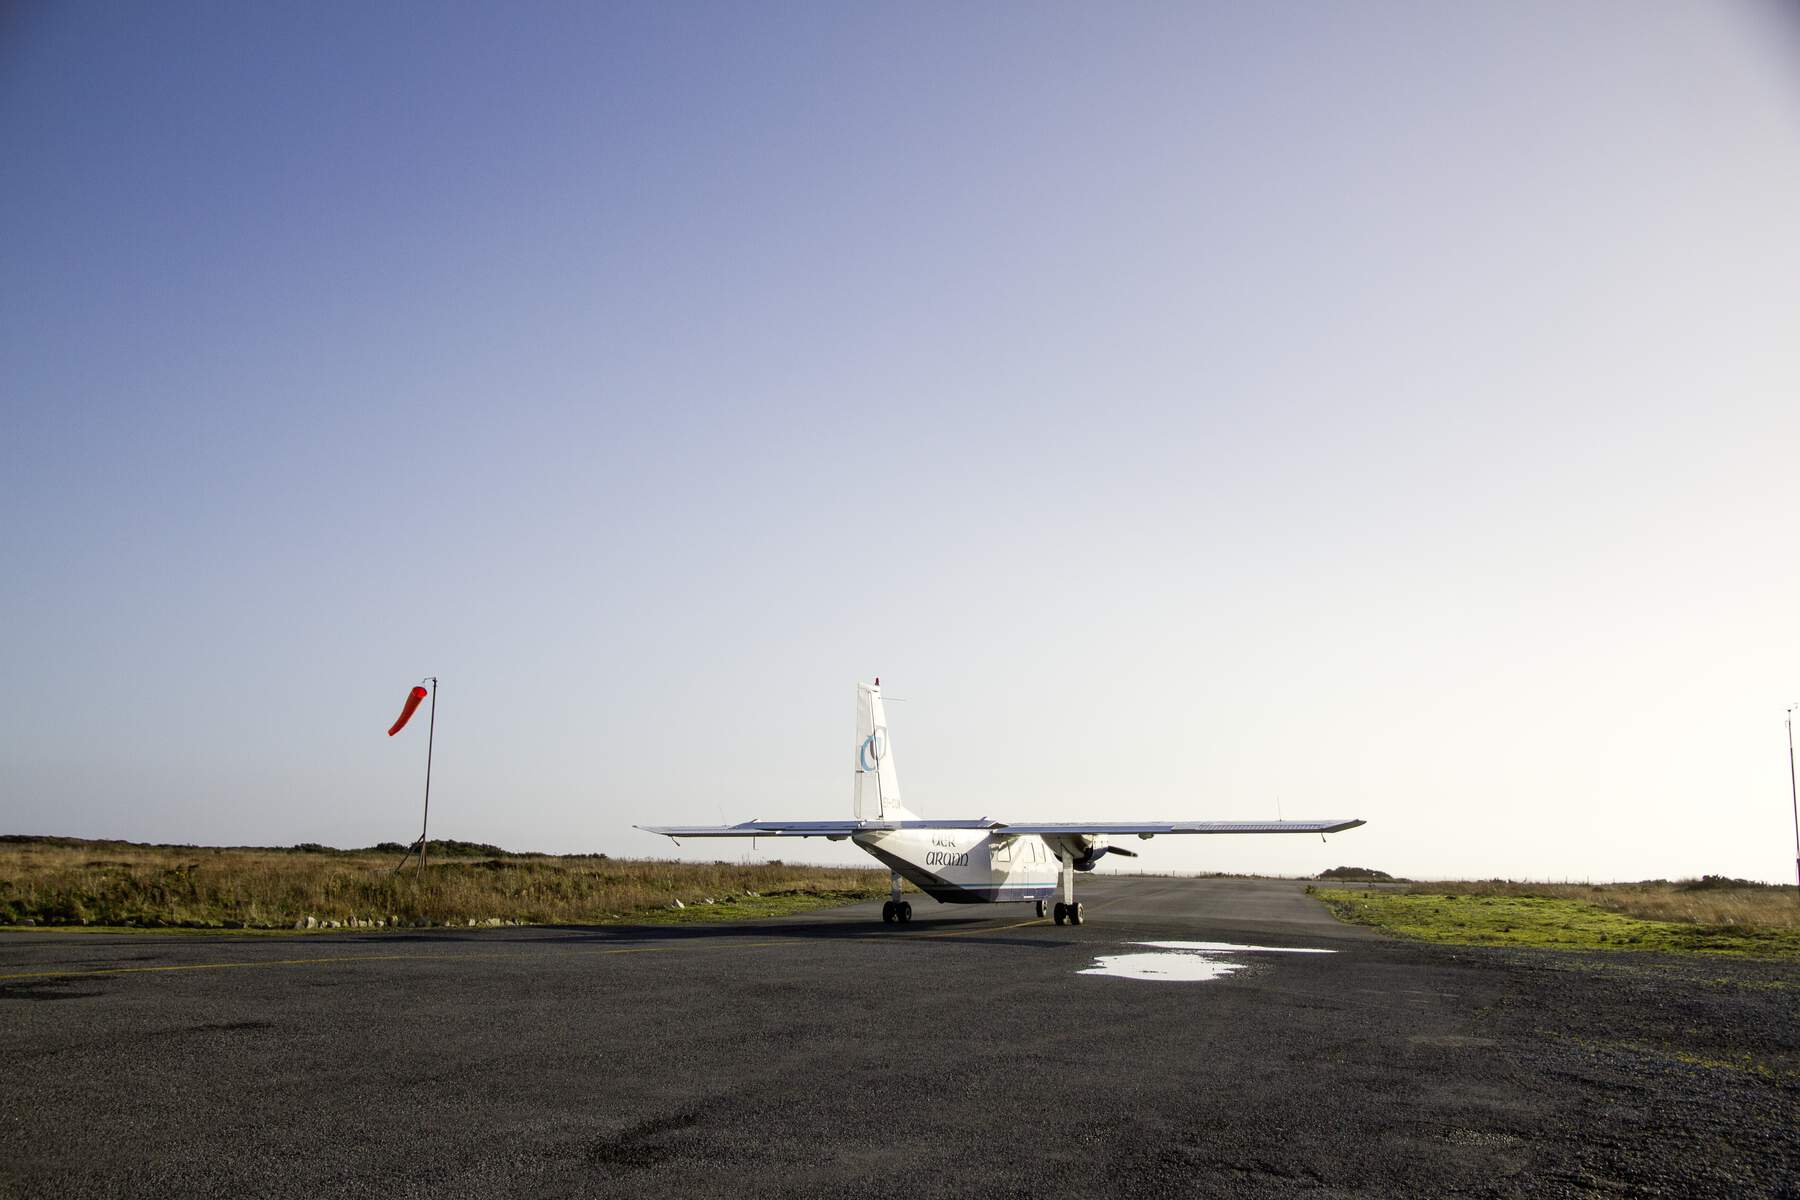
70	884
1518	915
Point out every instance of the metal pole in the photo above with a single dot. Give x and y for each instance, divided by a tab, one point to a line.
430	738
1794	797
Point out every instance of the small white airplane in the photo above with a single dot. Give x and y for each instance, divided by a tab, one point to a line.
969	862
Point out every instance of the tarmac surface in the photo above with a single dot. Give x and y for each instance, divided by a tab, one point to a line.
965	1054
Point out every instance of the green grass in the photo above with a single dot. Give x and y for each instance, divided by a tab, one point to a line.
64	883
1557	923
733	908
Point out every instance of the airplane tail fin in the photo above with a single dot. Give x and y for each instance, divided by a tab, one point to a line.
877	780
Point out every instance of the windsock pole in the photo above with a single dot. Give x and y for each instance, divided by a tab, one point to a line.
430	738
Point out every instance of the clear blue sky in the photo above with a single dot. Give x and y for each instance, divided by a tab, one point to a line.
1389	408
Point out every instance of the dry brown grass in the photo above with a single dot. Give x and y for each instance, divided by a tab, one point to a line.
208	887
1688	901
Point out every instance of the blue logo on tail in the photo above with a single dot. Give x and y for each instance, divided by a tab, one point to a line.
872	750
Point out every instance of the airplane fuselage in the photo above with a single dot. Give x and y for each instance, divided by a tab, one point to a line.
955	866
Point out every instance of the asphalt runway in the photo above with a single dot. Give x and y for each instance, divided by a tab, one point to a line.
967	1054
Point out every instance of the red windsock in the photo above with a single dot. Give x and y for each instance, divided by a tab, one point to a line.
412	706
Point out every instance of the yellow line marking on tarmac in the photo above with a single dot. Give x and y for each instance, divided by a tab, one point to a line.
295	962
696	945
219	966
83	972
979	929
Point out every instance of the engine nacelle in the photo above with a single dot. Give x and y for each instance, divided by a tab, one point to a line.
1084	849
1089	851
1095	851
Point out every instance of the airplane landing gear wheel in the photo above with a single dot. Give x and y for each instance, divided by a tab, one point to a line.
1042	909
888	915
1075	913
1061	911
905	911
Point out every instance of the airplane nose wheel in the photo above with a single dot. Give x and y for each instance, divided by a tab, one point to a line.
1043	910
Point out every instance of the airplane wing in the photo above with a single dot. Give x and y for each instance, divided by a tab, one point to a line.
1149	829
830	829
1143	829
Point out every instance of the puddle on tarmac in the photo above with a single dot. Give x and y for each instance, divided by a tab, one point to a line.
1184	962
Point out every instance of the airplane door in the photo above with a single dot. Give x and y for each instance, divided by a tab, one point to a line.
1000	858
